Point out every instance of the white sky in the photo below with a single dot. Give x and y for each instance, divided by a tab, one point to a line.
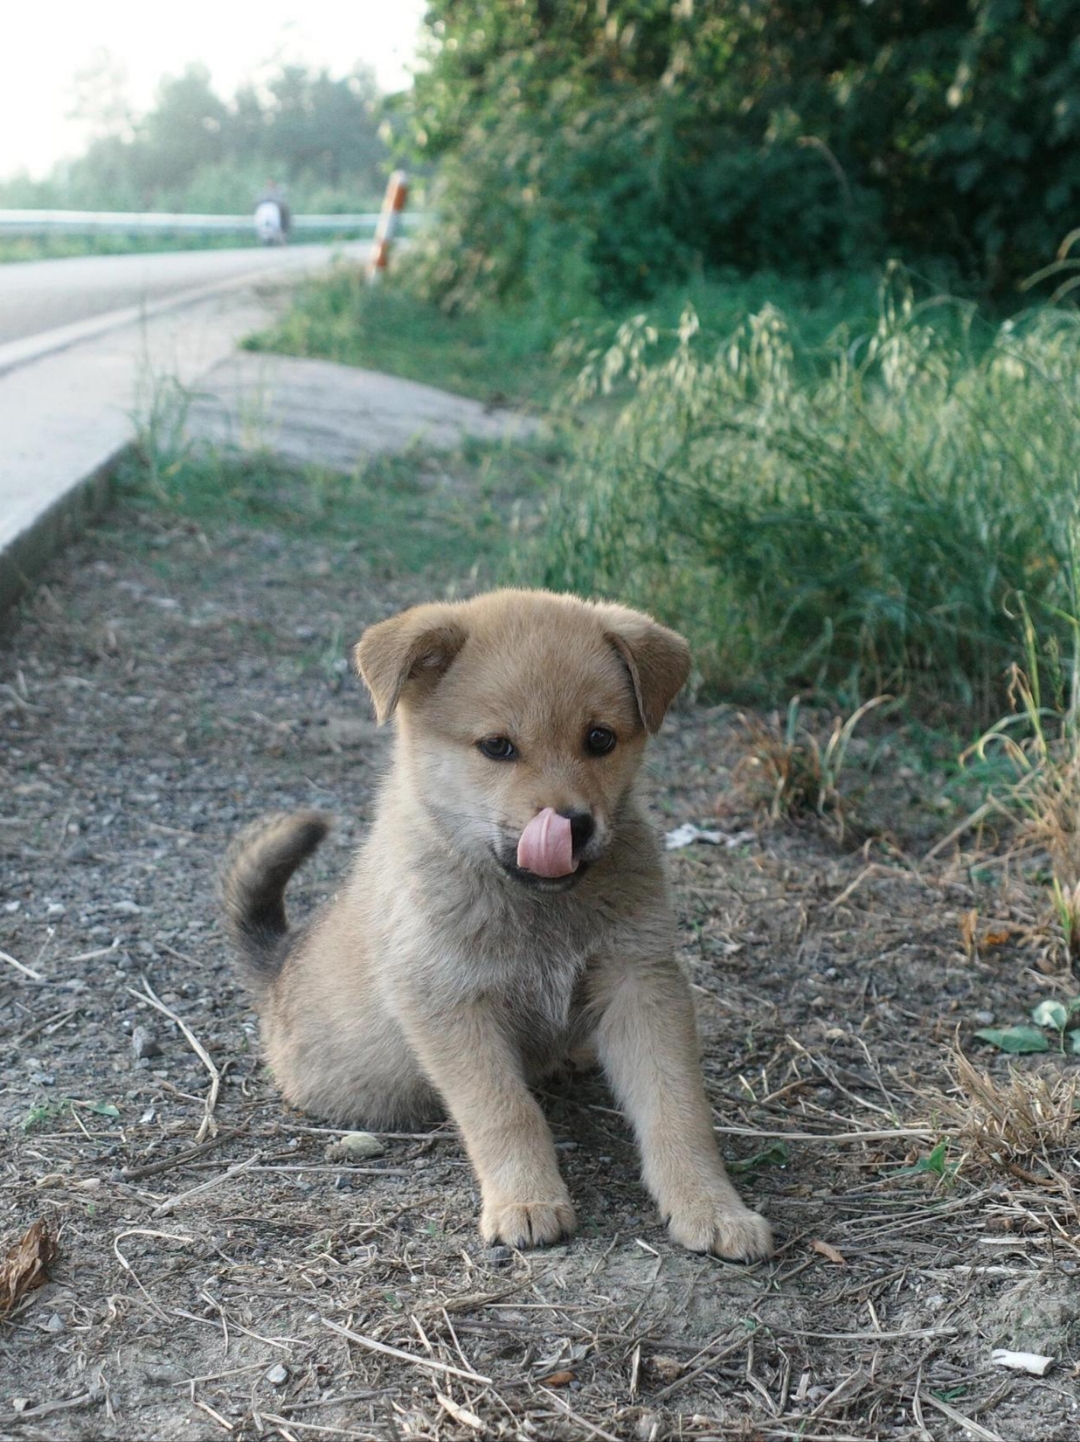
43	43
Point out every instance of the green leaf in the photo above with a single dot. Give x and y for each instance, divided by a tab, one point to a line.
1050	1013
775	1154
1014	1039
934	1162
1074	1042
105	1109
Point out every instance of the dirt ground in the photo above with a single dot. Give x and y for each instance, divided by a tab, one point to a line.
218	1276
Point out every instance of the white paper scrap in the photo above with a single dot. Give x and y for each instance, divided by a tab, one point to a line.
1022	1361
688	833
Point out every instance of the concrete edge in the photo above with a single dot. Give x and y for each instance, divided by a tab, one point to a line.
53	529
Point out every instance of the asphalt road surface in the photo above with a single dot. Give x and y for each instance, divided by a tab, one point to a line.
39	295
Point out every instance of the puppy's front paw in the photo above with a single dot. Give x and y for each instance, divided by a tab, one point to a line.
714	1224
526	1224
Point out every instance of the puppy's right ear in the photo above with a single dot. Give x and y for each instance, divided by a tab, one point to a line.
417	646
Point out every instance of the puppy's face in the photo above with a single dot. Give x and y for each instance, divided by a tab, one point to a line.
524	716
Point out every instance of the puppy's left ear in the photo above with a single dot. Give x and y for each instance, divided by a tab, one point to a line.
658	660
410	652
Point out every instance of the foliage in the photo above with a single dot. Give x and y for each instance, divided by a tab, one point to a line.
855	520
590	150
504	353
195	151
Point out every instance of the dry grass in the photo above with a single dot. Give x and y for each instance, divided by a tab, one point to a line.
1041	745
1025	1120
788	772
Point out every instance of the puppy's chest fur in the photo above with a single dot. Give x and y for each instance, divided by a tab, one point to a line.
528	958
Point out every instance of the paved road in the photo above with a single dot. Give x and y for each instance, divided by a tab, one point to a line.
40	295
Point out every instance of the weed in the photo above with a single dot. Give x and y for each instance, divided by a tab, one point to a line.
1040	741
1048	1015
162	449
933	1164
787	772
42	1113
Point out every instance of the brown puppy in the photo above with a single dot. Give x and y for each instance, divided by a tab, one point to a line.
508	911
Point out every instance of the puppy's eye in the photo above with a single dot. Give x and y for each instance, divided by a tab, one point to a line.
599	741
498	748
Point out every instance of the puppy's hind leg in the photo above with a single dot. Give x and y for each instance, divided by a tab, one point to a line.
648	1047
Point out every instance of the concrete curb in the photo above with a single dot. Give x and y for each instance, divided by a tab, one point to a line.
66	412
52	529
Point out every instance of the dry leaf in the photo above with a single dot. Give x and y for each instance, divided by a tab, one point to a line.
460	1414
830	1253
995	938
969	920
25	1266
559	1379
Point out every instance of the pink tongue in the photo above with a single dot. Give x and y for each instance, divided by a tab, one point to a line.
546	847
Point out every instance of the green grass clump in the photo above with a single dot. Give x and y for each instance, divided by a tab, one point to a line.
496	358
447	516
526	356
851	518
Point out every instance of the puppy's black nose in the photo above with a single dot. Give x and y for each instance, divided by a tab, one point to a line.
582	827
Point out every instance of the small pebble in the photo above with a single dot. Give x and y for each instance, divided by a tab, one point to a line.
55	908
498	1256
127	908
984	1018
55	1323
144	1043
277	1375
354	1146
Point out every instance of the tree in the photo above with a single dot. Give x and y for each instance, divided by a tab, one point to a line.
605	143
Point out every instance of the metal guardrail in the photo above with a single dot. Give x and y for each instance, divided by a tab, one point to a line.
118	222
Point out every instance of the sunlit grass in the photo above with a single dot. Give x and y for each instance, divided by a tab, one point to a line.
851	518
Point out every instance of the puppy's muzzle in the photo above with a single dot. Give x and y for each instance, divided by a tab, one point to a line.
551	849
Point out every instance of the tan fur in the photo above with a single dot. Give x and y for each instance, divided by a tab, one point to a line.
439	977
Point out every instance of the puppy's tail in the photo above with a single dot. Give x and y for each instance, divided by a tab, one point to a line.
257	869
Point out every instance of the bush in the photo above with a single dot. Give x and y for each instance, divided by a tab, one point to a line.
593	152
863	518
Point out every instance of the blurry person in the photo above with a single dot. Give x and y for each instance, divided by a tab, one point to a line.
272	217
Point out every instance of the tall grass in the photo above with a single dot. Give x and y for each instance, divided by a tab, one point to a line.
863	516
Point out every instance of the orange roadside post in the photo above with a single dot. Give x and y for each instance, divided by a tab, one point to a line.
397	190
